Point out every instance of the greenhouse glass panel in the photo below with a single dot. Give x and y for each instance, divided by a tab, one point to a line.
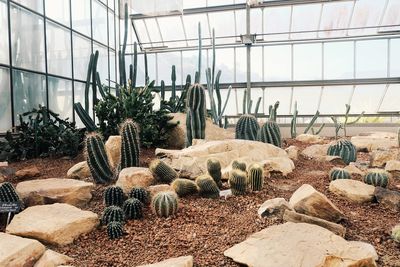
276	22
371	59
231	105
394	58
60	97
35	5
239	94
82	51
256	22
307	99
257	64
225	61
281	94
307	61
391	17
219	22
241	64
165	62
81	16
140	28
220	2
99	22
154	32
390	102
366	98
335	19
240	22
278	63
190	62
305	18
102	63
5	100
152	68
171	28
339	95
257	93
112	69
111	29
367	13
4	52
111	4
58	10
194	3
339	60
191	27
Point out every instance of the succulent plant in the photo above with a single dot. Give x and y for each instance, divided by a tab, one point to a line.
163	171
132	208
240	165
256	177
115	230
113	196
270	133
396	233
377	177
184	187
344	149
247	127
112	214
165	203
339	173
141	194
129	144
8	194
208	188
196	113
214	170
238	182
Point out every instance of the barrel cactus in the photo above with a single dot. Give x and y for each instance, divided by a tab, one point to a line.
339	173
132	208
129	144
196	113
247	127
141	194
256	177
165	204
396	233
208	188
344	149
377	177
112	214
214	170
238	182
115	230
240	165
8	194
270	133
163	171
184	187
113	196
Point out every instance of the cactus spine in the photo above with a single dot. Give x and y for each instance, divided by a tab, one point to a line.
129	145
163	171
238	182
132	208
184	187
344	149
208	188
377	177
112	214
339	173
113	196
256	177
214	170
196	113
115	230
270	133
240	165
141	194
247	127
165	204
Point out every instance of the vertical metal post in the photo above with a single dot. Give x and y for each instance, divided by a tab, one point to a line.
72	60
11	63
248	55
45	54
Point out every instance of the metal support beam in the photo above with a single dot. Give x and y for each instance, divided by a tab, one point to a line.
248	56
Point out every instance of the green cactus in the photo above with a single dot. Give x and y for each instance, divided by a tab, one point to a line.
8	194
196	113
377	177
112	214
208	188
396	233
293	123
113	196
339	173
214	170
97	160
273	111
184	187
130	148
165	204
132	208
115	230
141	194
270	133
247	127
173	85
90	125
256	177
238	182
162	171
344	149
239	165
311	124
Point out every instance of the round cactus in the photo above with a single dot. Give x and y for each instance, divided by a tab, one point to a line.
8	194
141	194
214	170
339	173
163	171
344	149
270	133
115	230
396	233
247	127
238	182
112	214
184	187
113	196
256	177
239	165
165	203
133	209
377	177
208	188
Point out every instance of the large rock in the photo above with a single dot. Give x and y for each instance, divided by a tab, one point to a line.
319	152
309	201
54	190
51	259
275	206
353	190
309	138
18	251
27	173
154	189
380	157
375	140
113	147
354	170
184	261
388	198
393	167
293	152
282	165
301	245
79	171
132	177
57	224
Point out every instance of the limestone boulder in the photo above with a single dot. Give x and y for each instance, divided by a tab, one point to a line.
300	245
132	177
309	138
27	173
388	198
375	140
56	224
393	167
184	261
315	151
309	201
380	157
282	165
354	170
352	190
17	251
272	207
154	189
293	152
113	147
79	171
55	190
51	258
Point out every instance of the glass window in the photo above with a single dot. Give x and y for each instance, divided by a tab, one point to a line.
391	100
111	4
231	105
171	28
278	63
307	60
191	27
340	95
276	20
35	5
111	29
5	100
241	64
339	60
391	16
4	52
256	22
307	99
281	94
112	69
240	22
27	40
224	61
60	97
256	64
99	22
305	18
371	59
165	62
367	13
335	15
154	32
190	62
366	98
58	50
82	51
394	56
58	10
81	16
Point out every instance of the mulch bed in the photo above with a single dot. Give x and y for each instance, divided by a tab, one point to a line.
204	228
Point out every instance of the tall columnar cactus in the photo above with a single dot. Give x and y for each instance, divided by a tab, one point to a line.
247	127
173	85
132	208
208	188
141	194
196	113
273	111
256	177
184	187
377	177
270	133
293	123
130	148
165	204
344	149
214	170
97	160
115	230
162	171
112	214
339	173
238	182
113	196
396	233
8	194
239	165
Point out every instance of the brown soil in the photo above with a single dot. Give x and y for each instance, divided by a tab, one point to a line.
205	228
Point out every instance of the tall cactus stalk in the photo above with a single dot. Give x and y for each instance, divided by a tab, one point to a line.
311	124
196	113
293	123
130	147
198	72
135	58
173	85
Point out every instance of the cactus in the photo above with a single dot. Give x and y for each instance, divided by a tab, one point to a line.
163	171
344	149
396	233
270	133
238	182
293	123
247	127
129	144
173	85
113	196
239	165
196	113
184	187
214	170
165	204
132	208
8	194
346	122
208	188
90	125
273	111
115	230
256	177
377	177
112	214
96	157
310	125
339	173
141	194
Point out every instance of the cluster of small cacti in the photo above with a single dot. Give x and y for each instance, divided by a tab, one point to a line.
112	214
344	149
247	127
113	196
129	144
115	230
214	170
141	194
256	177
238	181
196	113
377	177
184	187
8	194
165	204
132	208
163	171
240	165
270	133
208	188
339	173
396	233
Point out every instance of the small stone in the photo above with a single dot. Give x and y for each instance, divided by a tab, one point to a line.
27	173
272	207
380	157
3	164
388	198
353	170
352	190
52	258
393	167
132	177
315	151
309	138
79	171
154	189
184	261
